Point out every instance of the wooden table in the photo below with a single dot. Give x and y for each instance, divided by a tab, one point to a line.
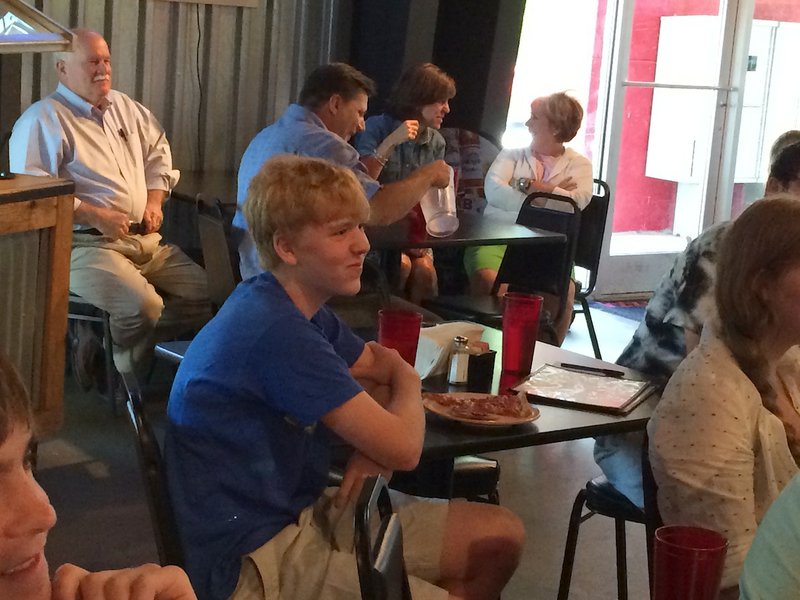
35	242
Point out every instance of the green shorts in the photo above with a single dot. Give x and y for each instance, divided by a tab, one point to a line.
483	257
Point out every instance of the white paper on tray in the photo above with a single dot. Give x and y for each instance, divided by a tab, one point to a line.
435	342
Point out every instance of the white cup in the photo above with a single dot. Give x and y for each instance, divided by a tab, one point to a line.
439	209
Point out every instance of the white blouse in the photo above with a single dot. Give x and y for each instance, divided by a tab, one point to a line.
505	200
719	457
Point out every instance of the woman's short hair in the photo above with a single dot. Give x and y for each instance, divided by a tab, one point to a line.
787	138
785	166
15	408
334	79
419	86
564	113
291	192
759	247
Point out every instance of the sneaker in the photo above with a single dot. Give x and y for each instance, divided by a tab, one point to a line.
84	352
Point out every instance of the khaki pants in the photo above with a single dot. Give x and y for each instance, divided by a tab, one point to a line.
132	279
314	559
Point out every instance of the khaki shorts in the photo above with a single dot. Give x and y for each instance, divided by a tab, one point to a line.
314	559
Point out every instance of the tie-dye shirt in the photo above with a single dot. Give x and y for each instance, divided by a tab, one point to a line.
683	300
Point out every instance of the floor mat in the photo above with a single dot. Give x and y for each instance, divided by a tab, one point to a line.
629	310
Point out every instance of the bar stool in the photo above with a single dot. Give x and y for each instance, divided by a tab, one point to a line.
600	498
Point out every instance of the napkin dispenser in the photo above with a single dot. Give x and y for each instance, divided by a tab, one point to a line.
433	351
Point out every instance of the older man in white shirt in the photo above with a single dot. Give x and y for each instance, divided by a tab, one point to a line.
117	154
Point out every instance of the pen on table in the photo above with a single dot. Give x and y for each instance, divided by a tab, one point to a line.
593	370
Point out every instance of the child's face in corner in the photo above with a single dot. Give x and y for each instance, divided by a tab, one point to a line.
25	518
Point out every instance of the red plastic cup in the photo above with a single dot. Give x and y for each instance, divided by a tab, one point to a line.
520	327
688	563
399	329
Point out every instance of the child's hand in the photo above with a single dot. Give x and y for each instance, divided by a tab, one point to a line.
148	582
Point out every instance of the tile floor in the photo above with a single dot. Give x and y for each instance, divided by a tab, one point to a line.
91	474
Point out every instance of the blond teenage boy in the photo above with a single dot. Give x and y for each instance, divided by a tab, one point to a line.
258	395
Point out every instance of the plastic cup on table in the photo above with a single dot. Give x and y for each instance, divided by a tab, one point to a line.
399	329
520	328
439	208
687	563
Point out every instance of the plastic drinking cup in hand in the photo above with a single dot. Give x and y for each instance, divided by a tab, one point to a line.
399	329
520	328
688	563
439	209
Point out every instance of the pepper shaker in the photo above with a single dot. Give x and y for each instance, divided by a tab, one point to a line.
459	361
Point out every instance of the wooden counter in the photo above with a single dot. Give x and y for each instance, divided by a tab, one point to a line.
35	242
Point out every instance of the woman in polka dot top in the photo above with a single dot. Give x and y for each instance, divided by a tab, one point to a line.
725	437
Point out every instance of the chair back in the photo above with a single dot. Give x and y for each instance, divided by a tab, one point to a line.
652	516
546	268
379	545
162	516
217	256
593	228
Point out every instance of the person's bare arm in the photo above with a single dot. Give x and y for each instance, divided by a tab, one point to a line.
393	201
387	429
154	212
390	434
375	162
110	222
148	582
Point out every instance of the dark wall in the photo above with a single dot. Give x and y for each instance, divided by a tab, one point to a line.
475	41
464	39
378	43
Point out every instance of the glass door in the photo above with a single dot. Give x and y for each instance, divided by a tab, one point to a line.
672	96
703	90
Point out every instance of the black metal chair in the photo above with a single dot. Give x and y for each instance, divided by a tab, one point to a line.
601	498
651	513
588	251
218	259
531	269
222	269
162	516
379	545
80	310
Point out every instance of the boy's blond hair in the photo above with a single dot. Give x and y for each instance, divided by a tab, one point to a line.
291	192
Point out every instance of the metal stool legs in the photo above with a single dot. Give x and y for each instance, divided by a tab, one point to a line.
590	326
576	518
100	316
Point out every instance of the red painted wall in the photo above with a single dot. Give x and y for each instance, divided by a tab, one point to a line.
642	203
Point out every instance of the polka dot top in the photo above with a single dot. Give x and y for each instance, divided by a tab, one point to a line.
719	457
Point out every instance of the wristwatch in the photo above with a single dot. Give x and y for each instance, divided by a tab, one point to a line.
523	183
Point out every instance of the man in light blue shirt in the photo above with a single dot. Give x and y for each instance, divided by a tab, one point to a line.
117	154
330	110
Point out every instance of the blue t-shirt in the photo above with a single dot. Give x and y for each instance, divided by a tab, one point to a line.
298	131
245	452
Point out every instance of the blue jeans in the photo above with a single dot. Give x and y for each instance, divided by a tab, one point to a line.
620	458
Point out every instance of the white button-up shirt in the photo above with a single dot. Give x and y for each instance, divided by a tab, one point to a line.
114	154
